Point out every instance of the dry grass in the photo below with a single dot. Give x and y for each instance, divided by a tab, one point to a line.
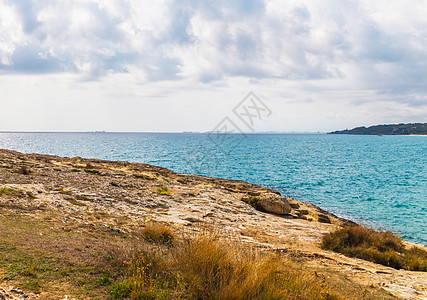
384	248
214	268
54	258
157	233
204	266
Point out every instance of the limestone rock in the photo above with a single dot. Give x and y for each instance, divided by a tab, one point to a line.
270	203
275	205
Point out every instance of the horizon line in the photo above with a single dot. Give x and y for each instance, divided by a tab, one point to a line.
168	132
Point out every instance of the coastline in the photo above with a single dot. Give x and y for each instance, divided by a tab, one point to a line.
124	195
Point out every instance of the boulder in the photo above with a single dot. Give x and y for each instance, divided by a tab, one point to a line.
270	203
275	205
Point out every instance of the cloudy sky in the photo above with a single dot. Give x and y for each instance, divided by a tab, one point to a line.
175	65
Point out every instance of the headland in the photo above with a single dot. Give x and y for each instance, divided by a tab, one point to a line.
62	219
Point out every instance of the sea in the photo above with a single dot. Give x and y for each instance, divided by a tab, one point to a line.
376	181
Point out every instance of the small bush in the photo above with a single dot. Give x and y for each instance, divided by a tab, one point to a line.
384	248
416	259
164	190
254	202
157	233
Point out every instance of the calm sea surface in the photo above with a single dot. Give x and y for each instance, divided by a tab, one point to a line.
380	181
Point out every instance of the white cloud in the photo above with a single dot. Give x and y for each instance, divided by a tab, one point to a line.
293	50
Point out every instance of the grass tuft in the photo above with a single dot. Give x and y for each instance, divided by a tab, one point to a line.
157	233
384	248
164	190
4	191
11	192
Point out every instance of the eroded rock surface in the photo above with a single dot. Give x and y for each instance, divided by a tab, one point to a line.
12	293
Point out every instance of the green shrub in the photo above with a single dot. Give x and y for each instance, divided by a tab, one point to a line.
254	202
164	190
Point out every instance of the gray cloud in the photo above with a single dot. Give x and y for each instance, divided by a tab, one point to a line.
207	41
29	59
27	11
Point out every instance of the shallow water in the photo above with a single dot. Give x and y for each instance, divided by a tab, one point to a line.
377	181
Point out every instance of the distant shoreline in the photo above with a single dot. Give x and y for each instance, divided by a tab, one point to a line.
377	134
390	129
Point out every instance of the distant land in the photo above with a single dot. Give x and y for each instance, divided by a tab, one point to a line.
393	129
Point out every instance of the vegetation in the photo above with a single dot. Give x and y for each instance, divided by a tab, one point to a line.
205	266
4	191
395	129
8	191
384	248
156	263
164	190
157	233
254	202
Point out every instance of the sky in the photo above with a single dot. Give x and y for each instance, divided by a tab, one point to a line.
186	65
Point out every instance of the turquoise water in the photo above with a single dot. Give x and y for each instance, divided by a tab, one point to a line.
373	180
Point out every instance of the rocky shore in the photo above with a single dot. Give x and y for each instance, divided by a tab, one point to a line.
120	197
